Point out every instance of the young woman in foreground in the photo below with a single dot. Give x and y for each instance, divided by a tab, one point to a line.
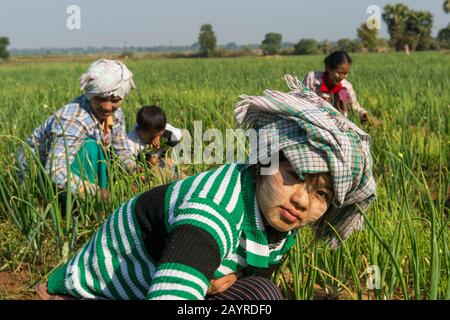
221	233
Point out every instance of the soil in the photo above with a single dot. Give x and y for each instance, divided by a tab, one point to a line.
21	286
17	286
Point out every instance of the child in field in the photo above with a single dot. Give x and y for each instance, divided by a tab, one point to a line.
152	137
333	86
220	234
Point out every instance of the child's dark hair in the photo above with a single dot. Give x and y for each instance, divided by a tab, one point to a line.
337	58
151	117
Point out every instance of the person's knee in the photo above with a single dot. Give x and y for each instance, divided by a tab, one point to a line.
259	288
269	290
89	142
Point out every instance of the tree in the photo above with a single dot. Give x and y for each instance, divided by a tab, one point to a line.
271	43
408	27
447	6
349	45
207	40
4	43
395	18
419	26
325	47
382	44
231	46
444	37
357	45
306	46
368	37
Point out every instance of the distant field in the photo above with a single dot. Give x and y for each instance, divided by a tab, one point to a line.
407	235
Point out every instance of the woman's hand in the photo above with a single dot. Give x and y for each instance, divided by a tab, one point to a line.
325	96
223	284
364	116
104	194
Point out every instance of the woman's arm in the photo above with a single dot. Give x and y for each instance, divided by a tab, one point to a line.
200	237
309	81
265	272
188	263
120	141
355	104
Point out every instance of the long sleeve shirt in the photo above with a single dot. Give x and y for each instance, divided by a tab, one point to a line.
172	134
169	242
63	133
313	81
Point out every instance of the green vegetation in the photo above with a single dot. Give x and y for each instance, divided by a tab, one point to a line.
408	27
207	40
407	231
306	46
271	43
4	43
368	37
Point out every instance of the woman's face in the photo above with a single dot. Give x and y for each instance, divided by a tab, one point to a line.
288	203
339	73
104	107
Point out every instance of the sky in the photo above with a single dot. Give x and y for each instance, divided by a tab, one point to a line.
43	23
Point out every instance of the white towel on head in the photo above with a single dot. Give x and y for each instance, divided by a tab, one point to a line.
106	78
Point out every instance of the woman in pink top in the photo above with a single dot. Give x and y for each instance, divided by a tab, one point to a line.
332	85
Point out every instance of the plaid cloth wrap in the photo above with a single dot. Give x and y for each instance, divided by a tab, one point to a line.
315	138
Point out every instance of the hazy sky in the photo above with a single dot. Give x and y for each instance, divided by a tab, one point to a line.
42	23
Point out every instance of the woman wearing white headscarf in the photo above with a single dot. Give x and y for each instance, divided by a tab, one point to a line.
85	128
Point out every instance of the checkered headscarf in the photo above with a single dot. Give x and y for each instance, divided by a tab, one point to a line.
316	138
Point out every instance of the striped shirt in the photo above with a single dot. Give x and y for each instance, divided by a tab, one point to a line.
70	126
169	242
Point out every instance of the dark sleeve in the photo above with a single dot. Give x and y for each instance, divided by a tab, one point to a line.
187	265
261	272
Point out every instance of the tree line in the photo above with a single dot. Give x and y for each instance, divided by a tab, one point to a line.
408	30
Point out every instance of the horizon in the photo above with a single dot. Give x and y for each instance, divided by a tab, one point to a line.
151	24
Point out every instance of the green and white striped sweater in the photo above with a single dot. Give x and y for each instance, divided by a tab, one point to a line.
209	226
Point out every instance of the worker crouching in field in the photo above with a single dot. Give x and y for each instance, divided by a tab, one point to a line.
333	86
86	130
152	137
220	234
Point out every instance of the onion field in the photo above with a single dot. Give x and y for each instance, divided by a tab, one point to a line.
403	251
